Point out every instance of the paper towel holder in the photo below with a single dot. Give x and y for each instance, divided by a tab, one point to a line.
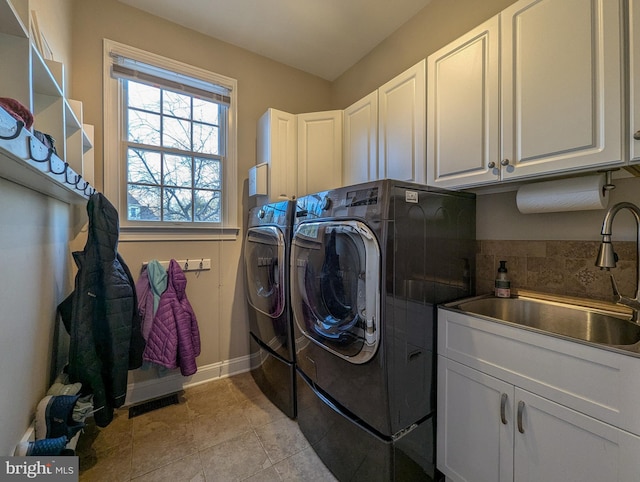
608	180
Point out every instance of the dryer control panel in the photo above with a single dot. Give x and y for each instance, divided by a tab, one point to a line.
362	197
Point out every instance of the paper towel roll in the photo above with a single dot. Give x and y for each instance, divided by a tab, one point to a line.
576	194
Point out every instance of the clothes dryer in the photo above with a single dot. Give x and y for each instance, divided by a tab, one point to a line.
266	255
369	264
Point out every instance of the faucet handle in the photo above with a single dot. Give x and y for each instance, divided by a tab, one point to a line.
632	303
616	292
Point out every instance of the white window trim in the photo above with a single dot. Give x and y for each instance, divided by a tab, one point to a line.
114	175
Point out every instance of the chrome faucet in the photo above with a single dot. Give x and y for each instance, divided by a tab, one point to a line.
607	258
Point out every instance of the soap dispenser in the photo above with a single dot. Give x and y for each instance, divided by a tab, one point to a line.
502	285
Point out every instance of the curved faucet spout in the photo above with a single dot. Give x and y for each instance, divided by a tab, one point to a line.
607	223
607	258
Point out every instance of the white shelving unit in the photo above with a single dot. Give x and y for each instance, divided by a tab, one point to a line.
38	84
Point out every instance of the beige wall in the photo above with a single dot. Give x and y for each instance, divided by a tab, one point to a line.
499	218
34	237
217	296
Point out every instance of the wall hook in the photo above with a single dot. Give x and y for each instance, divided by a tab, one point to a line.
186	265
19	126
64	170
201	262
33	147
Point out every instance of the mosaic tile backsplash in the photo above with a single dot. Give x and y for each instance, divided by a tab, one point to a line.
556	267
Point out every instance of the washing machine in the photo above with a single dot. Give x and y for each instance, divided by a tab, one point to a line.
369	264
266	256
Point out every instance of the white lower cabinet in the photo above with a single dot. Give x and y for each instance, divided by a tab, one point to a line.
491	430
473	444
553	442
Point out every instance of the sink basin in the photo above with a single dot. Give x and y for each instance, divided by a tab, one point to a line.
562	319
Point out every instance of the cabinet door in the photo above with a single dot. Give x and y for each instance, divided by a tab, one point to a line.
553	442
401	131
360	158
463	109
561	86
319	151
634	75
473	443
276	145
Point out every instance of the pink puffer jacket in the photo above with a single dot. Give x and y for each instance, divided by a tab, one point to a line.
174	339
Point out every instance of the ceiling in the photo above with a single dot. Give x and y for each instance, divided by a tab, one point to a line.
322	37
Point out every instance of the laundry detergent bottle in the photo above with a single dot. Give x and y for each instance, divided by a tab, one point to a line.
502	285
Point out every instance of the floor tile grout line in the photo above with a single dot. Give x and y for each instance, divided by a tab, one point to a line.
240	395
273	464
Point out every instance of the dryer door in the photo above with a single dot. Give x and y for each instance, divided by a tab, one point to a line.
264	252
335	287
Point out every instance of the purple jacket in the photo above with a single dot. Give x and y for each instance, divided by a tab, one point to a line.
174	339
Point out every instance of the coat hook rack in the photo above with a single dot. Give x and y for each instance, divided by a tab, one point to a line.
203	265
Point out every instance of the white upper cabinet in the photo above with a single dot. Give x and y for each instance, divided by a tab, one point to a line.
319	151
277	146
380	136
401	126
561	80
535	91
634	75
303	152
463	106
360	143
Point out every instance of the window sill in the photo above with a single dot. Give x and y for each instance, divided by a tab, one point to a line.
162	233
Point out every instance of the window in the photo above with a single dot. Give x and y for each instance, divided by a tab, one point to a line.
169	144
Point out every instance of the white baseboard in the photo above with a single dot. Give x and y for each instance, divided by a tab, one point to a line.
174	382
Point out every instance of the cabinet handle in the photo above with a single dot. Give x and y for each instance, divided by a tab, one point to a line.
504	162
503	408
491	165
520	410
636	135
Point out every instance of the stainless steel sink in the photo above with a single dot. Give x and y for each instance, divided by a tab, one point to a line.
562	319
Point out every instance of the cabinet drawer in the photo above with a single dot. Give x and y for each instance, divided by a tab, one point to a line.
598	382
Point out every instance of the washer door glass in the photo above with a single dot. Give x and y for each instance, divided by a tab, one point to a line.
335	281
264	252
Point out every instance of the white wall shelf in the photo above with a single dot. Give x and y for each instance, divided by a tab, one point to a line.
38	84
28	162
11	18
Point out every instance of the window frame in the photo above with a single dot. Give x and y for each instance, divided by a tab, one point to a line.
115	180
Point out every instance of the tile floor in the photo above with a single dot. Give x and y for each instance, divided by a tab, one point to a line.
220	431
